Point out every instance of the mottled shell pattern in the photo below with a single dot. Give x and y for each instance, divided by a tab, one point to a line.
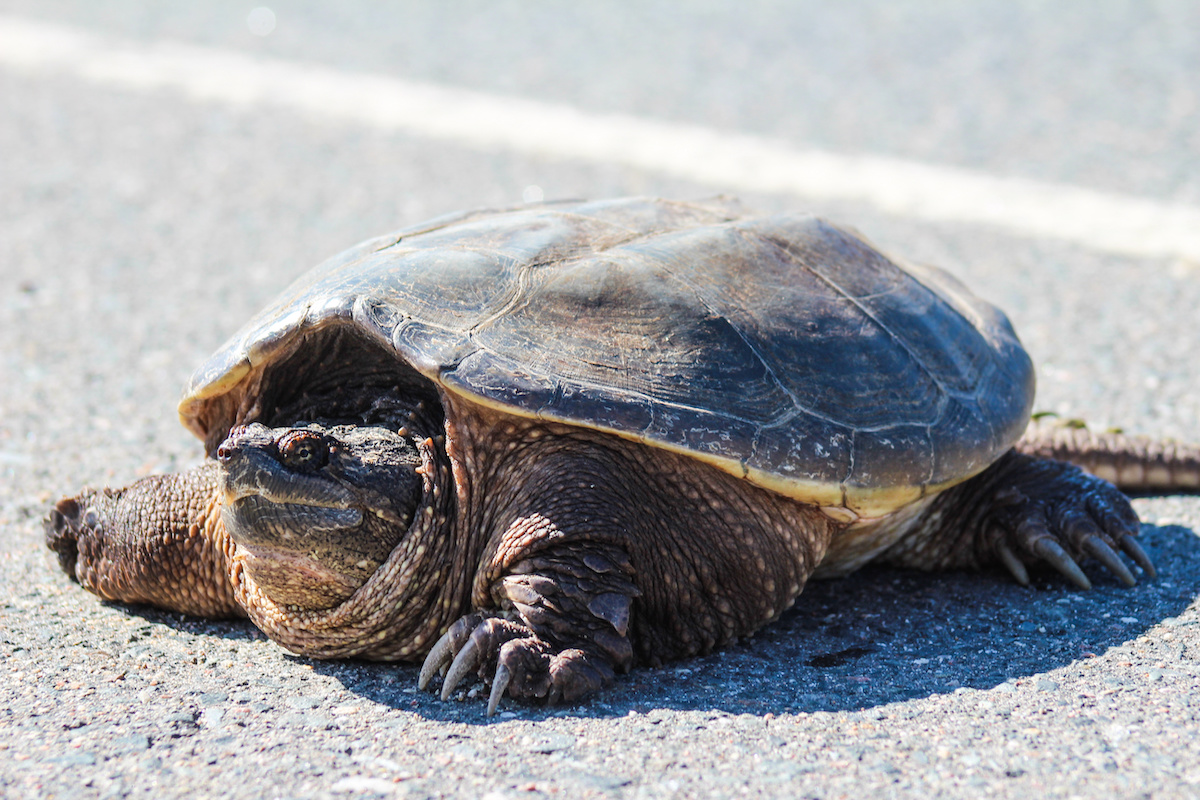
781	348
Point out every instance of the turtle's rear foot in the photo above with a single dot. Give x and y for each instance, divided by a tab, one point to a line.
1048	512
1023	513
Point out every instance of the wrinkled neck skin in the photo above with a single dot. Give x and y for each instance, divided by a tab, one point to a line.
400	608
316	509
397	610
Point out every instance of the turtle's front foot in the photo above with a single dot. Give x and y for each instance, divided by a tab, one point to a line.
516	660
1049	512
563	635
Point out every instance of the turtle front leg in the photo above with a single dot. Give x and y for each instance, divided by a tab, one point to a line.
601	552
158	541
1025	511
564	633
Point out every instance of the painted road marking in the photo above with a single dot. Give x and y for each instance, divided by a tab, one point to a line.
727	162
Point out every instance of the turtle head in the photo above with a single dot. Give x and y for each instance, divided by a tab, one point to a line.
315	510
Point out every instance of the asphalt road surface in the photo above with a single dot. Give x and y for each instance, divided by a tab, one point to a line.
166	168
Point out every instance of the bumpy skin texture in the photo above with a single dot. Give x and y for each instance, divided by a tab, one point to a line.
555	557
158	541
359	504
1135	463
600	552
583	552
563	611
316	510
1026	511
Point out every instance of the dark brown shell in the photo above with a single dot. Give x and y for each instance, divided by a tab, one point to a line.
780	348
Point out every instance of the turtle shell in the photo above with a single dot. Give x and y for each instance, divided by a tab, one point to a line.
782	349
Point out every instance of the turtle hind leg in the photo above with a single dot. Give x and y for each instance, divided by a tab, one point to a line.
158	541
1025	512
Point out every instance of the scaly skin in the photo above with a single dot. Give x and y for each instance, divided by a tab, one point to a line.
158	541
1025	511
553	557
600	552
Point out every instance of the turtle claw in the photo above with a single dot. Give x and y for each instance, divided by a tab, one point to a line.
1135	551
475	644
518	662
1095	547
1012	563
466	662
1056	514
441	655
499	686
1053	554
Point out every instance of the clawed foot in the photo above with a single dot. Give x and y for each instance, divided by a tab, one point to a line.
515	659
1059	515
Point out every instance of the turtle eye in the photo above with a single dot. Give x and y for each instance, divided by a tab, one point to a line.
304	450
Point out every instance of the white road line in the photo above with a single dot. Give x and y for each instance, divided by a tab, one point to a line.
727	162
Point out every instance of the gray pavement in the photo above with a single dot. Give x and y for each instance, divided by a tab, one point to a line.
139	229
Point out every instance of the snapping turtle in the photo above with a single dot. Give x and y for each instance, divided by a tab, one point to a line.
569	438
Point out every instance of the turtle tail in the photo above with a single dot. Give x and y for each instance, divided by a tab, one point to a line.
1133	463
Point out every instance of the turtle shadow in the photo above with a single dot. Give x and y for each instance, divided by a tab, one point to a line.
233	629
878	637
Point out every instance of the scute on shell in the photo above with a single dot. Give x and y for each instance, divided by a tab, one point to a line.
780	348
